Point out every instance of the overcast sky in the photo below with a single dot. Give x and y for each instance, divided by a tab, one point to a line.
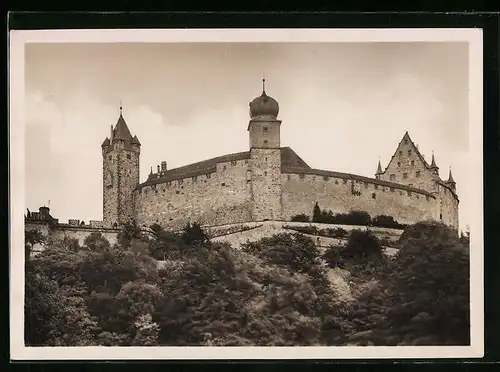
342	104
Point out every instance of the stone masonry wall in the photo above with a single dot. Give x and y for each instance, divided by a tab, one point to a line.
123	164
129	178
448	206
301	192
216	198
265	165
74	232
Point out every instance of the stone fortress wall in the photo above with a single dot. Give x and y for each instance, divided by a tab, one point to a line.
221	195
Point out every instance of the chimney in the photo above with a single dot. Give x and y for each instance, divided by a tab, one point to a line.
163	166
44	213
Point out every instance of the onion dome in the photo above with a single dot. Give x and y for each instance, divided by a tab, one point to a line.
264	106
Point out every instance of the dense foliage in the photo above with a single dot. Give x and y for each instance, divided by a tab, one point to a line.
360	218
162	288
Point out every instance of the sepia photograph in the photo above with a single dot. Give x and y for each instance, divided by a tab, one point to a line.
237	194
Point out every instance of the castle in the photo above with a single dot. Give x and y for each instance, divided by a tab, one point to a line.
266	183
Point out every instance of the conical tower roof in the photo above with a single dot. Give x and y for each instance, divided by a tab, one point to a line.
450	178
433	163
379	168
121	131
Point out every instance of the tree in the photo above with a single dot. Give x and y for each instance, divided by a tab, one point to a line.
316	213
32	238
194	234
96	242
300	218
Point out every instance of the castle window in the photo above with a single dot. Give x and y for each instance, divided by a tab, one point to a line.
129	156
233	162
265	159
153	186
265	173
392	189
265	129
177	192
376	187
405	176
373	195
224	167
399	164
366	185
410	184
209	175
325	178
289	177
409	152
168	184
194	178
417	173
441	216
412	163
246	161
409	193
427	197
400	152
266	142
392	177
301	176
223	184
406	141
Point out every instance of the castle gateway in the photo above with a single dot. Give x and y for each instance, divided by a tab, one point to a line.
266	182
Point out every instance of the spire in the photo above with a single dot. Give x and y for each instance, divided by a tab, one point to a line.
379	167
263	84
433	162
450	178
121	107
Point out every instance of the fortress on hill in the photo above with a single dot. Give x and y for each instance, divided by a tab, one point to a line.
265	182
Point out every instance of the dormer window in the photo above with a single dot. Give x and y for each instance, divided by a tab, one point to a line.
399	164
417	173
409	152
412	163
406	141
265	129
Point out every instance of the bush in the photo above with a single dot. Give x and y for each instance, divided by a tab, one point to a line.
300	218
426	297
386	221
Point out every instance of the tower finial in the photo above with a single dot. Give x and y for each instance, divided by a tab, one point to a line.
263	83
121	107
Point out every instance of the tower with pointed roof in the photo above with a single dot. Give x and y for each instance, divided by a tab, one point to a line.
265	157
120	165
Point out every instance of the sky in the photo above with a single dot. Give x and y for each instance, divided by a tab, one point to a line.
343	106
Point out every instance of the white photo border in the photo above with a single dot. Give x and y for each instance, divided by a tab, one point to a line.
18	39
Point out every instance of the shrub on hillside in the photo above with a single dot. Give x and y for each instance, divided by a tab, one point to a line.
386	221
300	218
426	296
361	245
194	234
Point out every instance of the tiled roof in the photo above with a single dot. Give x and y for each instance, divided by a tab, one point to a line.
355	177
195	169
121	131
289	159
